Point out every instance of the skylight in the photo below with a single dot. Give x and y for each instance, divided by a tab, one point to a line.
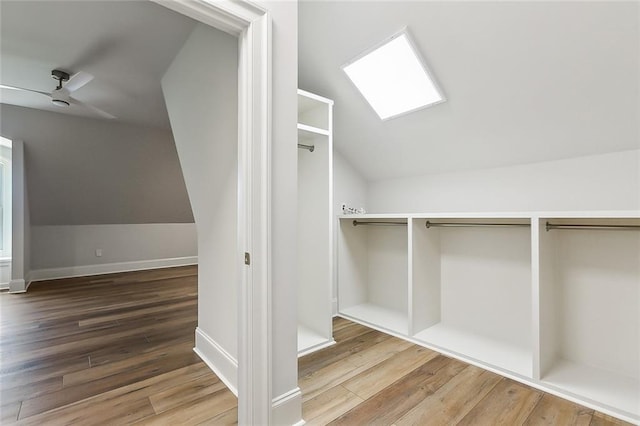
393	79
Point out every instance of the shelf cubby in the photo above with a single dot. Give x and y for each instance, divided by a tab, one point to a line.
313	111
589	285
373	274
471	289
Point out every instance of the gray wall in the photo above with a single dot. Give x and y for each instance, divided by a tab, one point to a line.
84	171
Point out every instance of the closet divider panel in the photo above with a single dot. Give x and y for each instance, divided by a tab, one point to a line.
590	296
425	257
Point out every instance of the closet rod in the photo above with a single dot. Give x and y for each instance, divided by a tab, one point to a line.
309	148
550	226
470	224
356	223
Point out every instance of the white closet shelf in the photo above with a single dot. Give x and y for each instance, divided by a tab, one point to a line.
311	341
485	350
378	317
603	214
306	131
599	386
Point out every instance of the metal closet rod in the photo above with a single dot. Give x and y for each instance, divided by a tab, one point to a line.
550	226
474	224
309	148
380	223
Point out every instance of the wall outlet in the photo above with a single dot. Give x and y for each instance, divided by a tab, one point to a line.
98	252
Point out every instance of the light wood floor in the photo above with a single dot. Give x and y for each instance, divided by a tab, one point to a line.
117	349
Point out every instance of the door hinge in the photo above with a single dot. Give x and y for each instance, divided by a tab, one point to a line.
247	258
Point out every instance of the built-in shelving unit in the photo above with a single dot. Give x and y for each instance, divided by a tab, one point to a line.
315	222
550	299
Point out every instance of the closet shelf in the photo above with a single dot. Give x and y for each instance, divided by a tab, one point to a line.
502	355
601	387
305	130
311	341
378	317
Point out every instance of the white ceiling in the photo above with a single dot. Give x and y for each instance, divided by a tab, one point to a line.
525	81
126	45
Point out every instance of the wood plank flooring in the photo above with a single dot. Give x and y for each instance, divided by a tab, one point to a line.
117	349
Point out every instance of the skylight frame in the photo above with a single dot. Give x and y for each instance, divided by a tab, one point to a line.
421	60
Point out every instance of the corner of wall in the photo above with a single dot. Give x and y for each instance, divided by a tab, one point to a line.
18	286
217	359
286	409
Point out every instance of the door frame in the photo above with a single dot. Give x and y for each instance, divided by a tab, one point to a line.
251	24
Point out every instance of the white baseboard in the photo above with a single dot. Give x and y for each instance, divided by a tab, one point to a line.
286	409
108	268
218	360
18	286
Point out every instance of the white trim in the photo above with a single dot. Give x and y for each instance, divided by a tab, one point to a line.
252	25
18	286
314	96
286	408
220	361
254	177
109	268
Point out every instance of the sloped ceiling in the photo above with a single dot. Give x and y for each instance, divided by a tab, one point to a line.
525	81
125	45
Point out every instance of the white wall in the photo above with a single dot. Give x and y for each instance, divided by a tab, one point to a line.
284	201
348	184
600	182
349	187
201	92
314	271
21	222
72	246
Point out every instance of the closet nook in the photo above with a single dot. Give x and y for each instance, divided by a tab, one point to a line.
315	222
548	299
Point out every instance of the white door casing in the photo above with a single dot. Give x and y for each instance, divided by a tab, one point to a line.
252	25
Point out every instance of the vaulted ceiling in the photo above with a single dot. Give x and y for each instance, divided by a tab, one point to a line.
525	81
125	45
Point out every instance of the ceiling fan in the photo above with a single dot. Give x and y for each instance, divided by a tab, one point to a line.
61	95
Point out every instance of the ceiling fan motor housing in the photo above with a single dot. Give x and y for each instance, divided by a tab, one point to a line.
60	96
60	75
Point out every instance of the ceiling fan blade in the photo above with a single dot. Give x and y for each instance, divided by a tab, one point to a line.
96	110
78	80
4	86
